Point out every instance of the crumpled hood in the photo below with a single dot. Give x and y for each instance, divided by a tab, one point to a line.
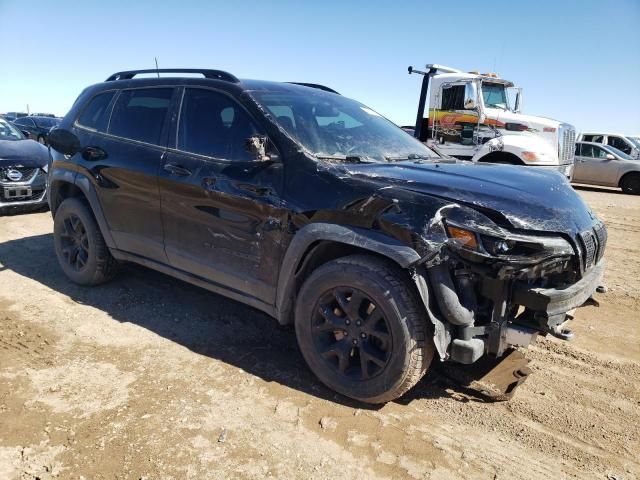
27	153
530	198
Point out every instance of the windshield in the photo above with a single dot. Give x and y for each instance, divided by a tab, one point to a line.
334	127
619	153
46	122
494	95
9	132
635	141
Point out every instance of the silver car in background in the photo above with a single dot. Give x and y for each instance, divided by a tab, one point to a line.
628	144
598	164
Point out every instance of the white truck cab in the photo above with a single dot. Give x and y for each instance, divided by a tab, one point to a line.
470	116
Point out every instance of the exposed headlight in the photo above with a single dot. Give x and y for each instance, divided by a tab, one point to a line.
46	168
514	245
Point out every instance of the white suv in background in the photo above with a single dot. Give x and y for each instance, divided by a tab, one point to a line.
625	143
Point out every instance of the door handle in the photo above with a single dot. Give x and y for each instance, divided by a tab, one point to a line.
176	169
93	153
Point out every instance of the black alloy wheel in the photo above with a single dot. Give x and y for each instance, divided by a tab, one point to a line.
82	252
351	333
74	242
362	328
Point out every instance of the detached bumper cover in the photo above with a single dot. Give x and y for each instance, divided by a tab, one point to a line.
554	301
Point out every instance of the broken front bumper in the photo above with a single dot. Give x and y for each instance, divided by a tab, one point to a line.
545	311
554	301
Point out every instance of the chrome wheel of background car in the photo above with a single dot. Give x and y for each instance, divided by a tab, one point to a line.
41	141
74	242
351	333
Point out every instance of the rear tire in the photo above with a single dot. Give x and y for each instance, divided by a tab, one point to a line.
82	252
362	330
631	184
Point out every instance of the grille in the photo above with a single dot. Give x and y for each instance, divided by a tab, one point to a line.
590	247
593	245
566	143
27	173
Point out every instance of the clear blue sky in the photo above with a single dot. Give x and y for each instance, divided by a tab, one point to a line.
578	61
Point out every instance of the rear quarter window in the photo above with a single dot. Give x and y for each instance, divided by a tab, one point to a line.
96	114
140	114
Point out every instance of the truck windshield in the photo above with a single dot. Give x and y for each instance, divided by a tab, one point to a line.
494	95
335	127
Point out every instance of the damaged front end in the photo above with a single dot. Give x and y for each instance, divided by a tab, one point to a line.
489	289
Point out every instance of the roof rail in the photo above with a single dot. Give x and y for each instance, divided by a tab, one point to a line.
315	85
215	74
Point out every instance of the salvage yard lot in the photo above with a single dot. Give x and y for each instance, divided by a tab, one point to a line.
148	377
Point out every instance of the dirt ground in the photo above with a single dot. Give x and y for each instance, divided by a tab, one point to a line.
148	377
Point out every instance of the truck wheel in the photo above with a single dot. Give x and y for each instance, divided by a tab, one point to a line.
631	184
81	250
362	330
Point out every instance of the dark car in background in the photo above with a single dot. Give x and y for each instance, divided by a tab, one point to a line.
23	171
36	128
12	116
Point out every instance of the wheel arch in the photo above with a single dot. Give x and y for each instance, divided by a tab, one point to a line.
318	243
65	184
630	174
501	157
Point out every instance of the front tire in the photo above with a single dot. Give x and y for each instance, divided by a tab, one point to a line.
362	330
82	252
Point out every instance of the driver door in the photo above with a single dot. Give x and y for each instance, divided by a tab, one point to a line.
221	207
455	125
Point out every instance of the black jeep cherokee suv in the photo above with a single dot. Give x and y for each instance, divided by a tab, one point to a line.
317	210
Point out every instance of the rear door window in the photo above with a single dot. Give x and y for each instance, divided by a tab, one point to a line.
96	114
586	150
214	125
140	114
24	122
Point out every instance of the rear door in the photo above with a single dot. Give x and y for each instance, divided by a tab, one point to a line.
221	207
123	164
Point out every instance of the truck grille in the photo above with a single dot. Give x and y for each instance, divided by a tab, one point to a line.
566	143
593	242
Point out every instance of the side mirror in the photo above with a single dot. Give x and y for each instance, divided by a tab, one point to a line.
257	145
470	96
516	107
610	156
64	141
